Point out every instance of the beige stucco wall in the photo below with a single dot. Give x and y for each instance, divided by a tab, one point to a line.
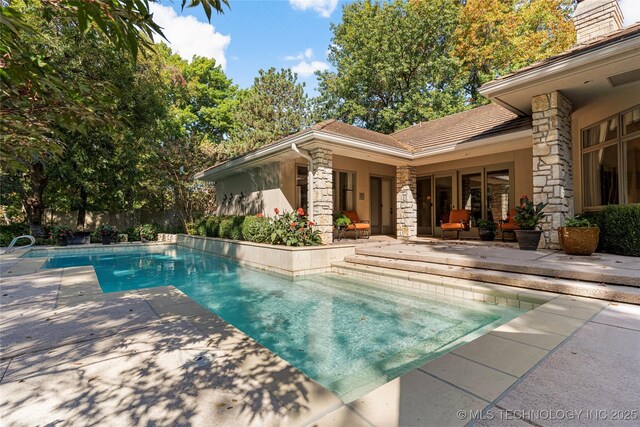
600	108
265	187
520	161
364	170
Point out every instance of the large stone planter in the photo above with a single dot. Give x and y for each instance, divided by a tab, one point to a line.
528	240
578	240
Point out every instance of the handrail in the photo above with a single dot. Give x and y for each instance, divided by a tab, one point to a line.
15	240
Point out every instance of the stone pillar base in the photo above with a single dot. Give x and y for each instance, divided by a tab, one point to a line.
406	205
323	192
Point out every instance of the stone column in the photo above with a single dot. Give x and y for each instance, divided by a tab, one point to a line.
552	162
323	192
406	205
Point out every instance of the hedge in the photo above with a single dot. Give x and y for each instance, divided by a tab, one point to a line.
619	229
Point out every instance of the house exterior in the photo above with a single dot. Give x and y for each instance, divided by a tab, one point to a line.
564	131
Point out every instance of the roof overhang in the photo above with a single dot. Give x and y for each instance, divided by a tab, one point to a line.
581	77
365	150
281	150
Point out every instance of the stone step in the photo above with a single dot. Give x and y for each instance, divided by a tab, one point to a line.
573	268
399	268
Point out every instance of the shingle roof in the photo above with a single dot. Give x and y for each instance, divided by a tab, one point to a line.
470	125
616	36
339	128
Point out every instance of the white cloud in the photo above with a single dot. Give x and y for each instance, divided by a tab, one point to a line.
187	36
308	54
630	10
323	7
306	69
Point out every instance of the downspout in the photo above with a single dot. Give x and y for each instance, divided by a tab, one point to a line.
306	155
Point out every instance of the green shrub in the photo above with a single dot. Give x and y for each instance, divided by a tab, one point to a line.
231	227
212	226
192	228
9	231
256	229
201	227
619	229
149	231
133	234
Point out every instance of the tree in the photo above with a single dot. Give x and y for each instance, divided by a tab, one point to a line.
274	107
496	37
27	73
393	64
190	136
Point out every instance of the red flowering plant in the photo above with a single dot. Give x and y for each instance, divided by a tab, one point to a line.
62	233
293	229
528	215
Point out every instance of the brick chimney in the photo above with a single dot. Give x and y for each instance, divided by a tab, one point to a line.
596	18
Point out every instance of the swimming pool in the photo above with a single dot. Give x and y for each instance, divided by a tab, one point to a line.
347	334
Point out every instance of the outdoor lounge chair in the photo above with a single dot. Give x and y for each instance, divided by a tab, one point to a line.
358	226
458	221
509	225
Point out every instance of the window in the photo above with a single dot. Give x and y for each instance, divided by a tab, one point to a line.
302	187
611	161
497	194
472	194
344	191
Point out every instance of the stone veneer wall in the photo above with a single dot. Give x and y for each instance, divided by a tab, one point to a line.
406	205
552	160
596	18
323	192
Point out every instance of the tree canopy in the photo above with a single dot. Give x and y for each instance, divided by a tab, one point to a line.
393	65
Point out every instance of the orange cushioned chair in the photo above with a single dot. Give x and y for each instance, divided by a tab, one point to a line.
509	225
458	221
357	225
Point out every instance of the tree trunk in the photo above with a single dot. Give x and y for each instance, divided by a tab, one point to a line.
32	197
82	209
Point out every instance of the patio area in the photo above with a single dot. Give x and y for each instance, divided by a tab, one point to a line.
71	354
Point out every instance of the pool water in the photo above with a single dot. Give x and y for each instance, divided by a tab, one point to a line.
347	334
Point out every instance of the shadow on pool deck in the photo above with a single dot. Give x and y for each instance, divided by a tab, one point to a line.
130	360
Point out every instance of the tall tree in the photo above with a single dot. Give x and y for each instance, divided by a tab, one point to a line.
393	64
274	107
35	94
495	37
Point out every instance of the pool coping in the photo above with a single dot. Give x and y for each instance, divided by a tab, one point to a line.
485	368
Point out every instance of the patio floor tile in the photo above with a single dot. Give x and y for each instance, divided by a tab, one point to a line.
526	335
508	356
623	316
44	329
344	416
33	289
594	370
554	323
471	376
574	311
416	399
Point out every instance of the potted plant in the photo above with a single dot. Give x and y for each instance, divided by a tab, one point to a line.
579	236
528	216
341	222
107	233
62	234
486	230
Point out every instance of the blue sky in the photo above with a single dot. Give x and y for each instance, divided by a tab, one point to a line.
270	33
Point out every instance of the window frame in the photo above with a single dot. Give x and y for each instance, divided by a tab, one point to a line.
335	188
620	141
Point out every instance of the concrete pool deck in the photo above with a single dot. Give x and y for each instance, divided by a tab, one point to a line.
70	354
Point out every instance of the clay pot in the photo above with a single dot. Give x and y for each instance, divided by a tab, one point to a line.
579	240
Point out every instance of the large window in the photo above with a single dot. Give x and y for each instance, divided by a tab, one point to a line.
611	161
497	194
344	191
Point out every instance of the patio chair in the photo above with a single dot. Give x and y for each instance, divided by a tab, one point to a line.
509	225
358	226
458	221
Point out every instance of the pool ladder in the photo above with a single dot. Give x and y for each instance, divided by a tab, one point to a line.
15	240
